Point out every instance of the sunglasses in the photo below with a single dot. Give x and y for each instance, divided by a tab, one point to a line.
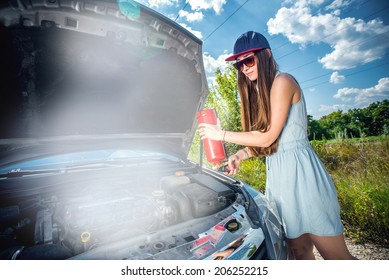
248	61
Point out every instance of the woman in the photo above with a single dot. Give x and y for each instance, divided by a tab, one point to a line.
274	121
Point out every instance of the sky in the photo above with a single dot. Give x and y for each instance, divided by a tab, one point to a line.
338	50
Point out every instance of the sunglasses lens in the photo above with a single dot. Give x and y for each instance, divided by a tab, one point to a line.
249	62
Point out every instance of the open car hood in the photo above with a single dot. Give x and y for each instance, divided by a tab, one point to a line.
92	69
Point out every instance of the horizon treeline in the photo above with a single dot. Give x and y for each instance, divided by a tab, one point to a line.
372	120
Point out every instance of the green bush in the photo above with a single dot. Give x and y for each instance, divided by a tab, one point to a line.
360	170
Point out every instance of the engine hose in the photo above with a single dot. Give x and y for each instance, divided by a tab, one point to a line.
17	252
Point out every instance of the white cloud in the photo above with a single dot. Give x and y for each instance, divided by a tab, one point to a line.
337	4
328	109
211	64
198	34
365	96
336	78
191	17
353	41
156	4
198	5
216	5
159	3
312	89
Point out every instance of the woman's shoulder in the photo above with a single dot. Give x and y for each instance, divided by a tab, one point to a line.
287	83
285	77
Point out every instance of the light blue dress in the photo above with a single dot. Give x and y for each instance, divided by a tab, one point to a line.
298	182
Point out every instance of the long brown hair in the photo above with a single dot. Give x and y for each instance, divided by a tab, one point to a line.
255	100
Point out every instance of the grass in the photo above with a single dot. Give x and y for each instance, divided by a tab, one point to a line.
253	172
360	170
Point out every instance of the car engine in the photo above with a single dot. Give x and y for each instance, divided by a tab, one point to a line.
82	213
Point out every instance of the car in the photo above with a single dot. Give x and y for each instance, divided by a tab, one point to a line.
97	105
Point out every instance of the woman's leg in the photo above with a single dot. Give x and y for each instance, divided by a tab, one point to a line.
301	248
331	247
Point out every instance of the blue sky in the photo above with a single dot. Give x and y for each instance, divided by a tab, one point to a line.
337	49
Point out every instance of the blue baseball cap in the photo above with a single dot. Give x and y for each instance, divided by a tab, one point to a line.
248	42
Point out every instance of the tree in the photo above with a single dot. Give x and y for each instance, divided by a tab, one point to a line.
358	120
224	98
316	131
379	112
336	124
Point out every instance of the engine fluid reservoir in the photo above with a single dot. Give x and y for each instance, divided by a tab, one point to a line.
214	150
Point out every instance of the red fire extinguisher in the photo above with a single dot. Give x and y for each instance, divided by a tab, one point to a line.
214	150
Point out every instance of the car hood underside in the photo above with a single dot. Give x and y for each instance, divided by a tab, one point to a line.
94	68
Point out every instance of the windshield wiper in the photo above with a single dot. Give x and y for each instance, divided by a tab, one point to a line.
20	173
89	166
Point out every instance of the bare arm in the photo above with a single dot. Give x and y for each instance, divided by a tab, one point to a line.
283	93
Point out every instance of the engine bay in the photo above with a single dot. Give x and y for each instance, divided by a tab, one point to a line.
64	215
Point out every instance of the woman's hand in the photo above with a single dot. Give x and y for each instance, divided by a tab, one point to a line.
211	131
233	164
234	161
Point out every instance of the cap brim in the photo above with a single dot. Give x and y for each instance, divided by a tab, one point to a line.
234	57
